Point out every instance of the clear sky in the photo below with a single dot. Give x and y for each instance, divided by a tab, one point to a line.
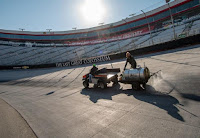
63	15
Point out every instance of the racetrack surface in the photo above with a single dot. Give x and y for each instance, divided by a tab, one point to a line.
55	104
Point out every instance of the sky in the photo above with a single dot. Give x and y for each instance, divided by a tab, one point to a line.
63	15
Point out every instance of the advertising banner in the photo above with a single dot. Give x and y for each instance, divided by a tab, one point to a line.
83	61
110	39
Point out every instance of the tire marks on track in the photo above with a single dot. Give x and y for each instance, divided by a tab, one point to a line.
41	84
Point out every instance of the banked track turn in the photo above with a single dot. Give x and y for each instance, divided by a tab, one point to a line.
54	103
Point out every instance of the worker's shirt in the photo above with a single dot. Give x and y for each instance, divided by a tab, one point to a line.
132	61
93	70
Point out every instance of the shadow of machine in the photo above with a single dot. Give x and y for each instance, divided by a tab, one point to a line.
151	96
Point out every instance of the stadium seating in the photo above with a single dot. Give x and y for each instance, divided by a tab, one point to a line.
26	53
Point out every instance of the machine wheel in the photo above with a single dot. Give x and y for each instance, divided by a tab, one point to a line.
144	85
95	85
115	80
102	85
86	84
135	86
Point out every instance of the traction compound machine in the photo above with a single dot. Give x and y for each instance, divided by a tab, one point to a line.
136	77
101	78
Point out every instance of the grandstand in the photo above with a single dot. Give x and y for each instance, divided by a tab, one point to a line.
19	48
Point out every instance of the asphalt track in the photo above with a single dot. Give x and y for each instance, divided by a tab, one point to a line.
54	103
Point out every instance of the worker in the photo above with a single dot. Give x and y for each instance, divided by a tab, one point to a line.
130	59
92	72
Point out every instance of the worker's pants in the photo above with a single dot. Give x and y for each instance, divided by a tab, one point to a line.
90	77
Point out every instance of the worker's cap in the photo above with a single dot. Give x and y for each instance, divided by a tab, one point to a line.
94	65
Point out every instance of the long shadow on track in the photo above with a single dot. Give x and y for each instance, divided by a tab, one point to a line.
151	96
